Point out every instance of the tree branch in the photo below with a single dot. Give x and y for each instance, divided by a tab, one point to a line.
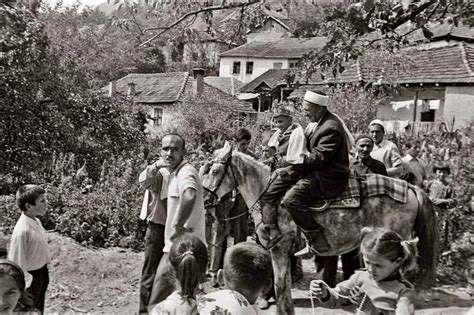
407	16
130	10
185	16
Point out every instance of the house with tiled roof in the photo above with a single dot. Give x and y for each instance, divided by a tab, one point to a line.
436	85
442	35
158	93
271	29
251	60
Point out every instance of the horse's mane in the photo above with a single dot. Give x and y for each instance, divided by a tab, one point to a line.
250	159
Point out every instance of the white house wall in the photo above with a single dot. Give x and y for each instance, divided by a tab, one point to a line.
386	112
459	104
260	66
150	127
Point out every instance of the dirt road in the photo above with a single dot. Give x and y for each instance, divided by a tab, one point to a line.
106	281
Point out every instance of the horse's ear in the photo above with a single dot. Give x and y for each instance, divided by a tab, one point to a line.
227	148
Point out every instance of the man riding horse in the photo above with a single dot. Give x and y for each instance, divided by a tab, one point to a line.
322	174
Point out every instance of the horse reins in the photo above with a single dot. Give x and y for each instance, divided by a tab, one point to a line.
227	165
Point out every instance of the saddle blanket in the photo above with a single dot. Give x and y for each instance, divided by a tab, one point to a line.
364	186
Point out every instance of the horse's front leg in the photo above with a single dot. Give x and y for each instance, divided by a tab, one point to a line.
220	232
281	269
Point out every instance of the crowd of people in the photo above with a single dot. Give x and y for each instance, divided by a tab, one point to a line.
315	161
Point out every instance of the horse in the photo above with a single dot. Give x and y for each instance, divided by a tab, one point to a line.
231	169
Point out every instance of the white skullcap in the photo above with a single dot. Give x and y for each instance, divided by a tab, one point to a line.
316	98
377	122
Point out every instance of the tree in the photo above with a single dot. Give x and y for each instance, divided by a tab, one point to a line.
44	109
87	41
347	26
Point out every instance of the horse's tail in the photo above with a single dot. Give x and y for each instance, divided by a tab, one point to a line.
426	228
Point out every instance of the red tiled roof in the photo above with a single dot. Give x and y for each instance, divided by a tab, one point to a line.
224	84
154	87
445	30
444	65
171	87
283	48
276	77
447	64
210	91
272	78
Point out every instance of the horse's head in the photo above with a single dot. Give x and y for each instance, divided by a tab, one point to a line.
219	181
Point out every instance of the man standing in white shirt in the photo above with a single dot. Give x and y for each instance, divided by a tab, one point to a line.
185	209
155	180
385	151
29	245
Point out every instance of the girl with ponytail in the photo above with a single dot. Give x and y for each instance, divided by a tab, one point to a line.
188	258
381	288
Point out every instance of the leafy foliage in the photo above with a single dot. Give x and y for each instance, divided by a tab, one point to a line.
103	213
351	29
47	108
92	51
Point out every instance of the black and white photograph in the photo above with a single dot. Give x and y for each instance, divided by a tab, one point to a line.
236	157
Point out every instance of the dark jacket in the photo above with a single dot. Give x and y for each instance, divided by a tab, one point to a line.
327	165
369	166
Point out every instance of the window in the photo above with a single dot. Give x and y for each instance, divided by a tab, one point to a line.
293	64
157	116
249	67
236	68
277	65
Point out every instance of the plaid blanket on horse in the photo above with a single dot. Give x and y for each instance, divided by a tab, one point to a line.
371	185
375	185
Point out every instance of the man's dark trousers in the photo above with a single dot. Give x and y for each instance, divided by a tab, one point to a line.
154	244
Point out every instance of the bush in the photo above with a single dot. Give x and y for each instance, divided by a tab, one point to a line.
455	149
101	214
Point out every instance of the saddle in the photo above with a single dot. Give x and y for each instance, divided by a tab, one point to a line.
364	186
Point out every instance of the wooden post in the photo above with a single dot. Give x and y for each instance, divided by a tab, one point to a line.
414	113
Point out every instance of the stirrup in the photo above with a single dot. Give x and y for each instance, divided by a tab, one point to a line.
306	252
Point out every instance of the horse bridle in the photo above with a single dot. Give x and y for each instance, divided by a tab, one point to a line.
227	165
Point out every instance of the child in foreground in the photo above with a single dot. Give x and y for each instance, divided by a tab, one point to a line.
188	258
246	274
381	289
13	296
29	246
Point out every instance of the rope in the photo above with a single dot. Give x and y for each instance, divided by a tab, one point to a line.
234	217
332	291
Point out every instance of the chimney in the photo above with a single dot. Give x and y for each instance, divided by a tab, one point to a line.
131	89
112	88
198	84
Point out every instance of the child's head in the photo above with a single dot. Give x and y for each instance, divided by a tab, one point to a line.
188	256
441	171
12	287
268	151
31	199
247	269
385	253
